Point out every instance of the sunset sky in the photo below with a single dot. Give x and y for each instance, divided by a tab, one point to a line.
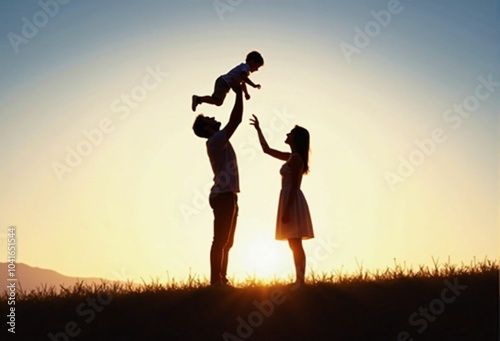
103	176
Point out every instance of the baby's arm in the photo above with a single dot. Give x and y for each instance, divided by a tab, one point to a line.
249	82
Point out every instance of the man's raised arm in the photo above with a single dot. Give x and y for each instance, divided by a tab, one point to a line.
236	114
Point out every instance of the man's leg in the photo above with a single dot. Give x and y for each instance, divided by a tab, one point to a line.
230	240
222	206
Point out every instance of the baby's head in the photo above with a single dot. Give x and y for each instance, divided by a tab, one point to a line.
254	60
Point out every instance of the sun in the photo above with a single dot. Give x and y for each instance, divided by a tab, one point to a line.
267	259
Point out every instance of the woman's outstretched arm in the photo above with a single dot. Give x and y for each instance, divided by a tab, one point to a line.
265	147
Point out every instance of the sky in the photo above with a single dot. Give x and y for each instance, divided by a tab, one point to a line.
102	175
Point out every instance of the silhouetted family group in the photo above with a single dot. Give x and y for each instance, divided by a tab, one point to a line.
293	220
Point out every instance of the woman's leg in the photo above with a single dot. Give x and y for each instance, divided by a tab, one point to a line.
299	258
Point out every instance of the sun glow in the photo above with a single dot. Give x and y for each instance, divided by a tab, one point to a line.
267	259
106	156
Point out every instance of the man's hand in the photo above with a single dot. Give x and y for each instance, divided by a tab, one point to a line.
247	96
236	113
257	86
237	88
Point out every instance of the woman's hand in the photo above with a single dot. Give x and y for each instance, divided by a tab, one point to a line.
255	122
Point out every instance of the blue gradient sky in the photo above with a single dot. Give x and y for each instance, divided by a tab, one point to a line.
122	211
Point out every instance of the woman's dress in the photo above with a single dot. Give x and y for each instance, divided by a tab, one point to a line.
299	224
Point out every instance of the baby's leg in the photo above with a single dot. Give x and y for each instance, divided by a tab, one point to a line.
210	100
221	88
204	99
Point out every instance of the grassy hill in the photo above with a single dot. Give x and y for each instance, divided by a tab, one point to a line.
30	278
446	303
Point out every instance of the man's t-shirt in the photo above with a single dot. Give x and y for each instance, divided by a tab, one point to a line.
224	164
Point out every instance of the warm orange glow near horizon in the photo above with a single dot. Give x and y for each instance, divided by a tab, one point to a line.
105	178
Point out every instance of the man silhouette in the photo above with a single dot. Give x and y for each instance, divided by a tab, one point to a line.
223	194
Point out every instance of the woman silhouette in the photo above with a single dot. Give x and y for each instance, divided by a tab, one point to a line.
294	220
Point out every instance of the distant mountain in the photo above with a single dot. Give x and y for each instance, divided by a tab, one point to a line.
32	277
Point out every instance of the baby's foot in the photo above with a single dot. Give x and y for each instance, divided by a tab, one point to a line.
194	102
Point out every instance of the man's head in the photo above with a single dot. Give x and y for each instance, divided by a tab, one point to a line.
254	60
205	126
